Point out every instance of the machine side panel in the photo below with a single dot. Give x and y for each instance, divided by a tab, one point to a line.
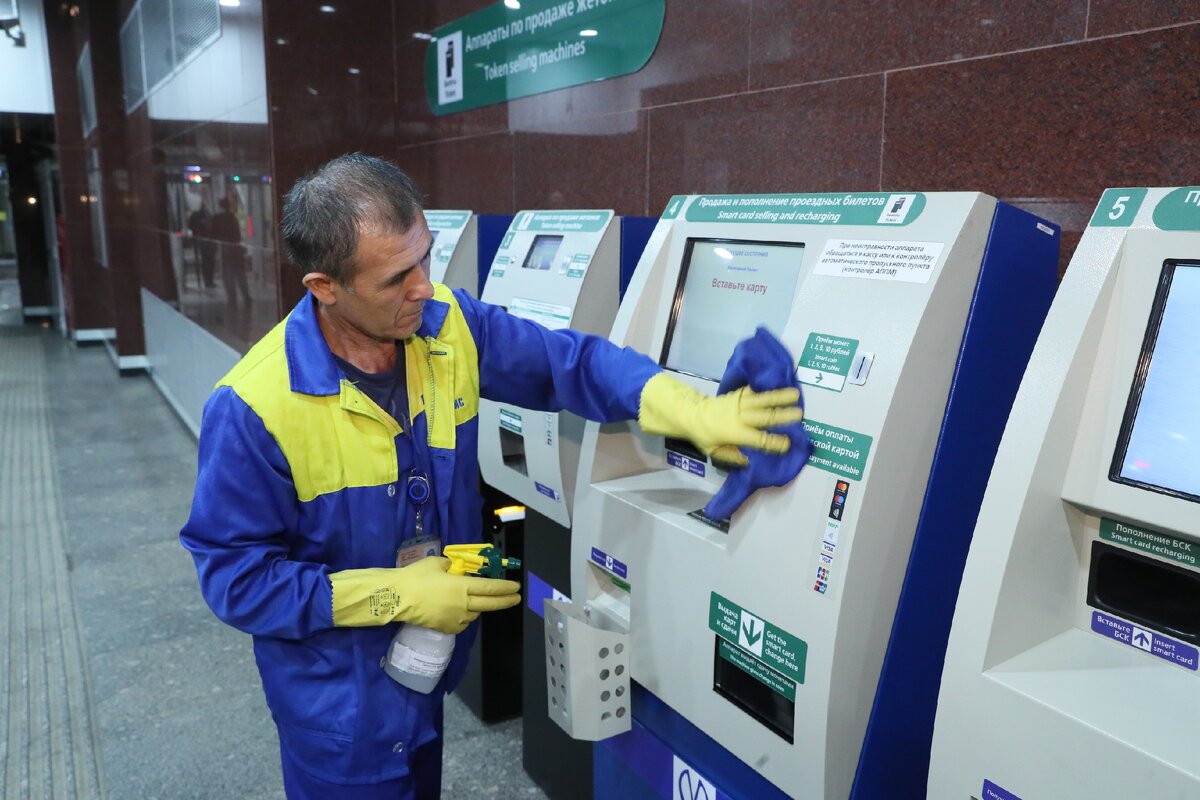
491	230
1015	287
635	233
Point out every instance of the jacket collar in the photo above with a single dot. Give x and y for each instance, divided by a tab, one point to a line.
311	368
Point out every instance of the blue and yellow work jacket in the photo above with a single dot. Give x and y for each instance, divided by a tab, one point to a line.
299	477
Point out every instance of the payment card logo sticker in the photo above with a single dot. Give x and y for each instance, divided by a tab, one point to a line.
1151	642
993	792
750	633
687	784
450	68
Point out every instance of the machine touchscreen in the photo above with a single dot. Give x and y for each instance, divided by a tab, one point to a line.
727	289
1159	443
542	252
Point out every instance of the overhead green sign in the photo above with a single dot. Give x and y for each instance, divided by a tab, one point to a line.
866	208
1179	210
517	49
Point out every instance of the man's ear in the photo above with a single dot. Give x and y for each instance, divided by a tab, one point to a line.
321	285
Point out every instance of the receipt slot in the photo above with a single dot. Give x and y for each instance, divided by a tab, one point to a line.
1072	664
774	654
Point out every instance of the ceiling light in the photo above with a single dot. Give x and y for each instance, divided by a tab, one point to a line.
327	9
513	4
589	32
231	3
354	70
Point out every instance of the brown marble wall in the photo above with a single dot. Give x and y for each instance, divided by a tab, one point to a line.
1043	103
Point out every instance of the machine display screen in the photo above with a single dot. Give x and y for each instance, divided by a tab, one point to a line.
542	252
726	290
1159	444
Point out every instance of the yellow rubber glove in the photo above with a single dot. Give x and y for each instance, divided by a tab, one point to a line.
422	593
719	425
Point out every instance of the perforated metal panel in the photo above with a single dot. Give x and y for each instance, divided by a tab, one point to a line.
133	76
196	23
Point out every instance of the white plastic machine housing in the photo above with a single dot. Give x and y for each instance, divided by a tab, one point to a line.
533	456
676	574
454	259
1040	697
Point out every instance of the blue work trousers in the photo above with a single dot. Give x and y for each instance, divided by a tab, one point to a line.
423	782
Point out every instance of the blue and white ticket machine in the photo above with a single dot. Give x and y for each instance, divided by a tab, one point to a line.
455	254
792	650
1072	664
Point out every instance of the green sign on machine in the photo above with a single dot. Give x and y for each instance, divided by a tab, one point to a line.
1179	210
757	640
865	208
825	361
838	450
447	220
511	50
562	221
1150	541
1117	208
510	421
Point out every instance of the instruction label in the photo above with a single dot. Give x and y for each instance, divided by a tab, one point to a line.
757	670
1149	541
603	559
1150	641
825	361
907	262
680	461
773	646
838	450
548	315
510	420
993	792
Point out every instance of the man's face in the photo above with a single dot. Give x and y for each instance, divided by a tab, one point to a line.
388	292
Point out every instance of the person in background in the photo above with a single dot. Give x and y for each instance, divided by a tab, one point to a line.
200	226
227	231
307	446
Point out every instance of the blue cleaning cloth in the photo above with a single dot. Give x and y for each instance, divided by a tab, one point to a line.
763	363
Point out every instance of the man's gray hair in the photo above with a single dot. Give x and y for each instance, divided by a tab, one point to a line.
326	210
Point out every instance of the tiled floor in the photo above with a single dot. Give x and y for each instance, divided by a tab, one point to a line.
117	680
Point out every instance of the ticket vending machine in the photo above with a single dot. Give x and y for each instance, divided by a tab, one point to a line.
774	654
1072	663
454	259
561	270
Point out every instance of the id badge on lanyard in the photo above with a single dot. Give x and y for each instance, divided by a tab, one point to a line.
419	546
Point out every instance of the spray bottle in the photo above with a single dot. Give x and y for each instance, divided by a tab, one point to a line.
418	656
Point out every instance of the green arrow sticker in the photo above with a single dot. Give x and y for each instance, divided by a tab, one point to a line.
826	360
757	639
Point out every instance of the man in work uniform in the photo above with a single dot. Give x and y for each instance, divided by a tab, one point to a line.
308	448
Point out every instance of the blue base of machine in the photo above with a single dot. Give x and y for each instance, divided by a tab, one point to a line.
1016	285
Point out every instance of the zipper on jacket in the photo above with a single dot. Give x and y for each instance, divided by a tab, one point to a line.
432	404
